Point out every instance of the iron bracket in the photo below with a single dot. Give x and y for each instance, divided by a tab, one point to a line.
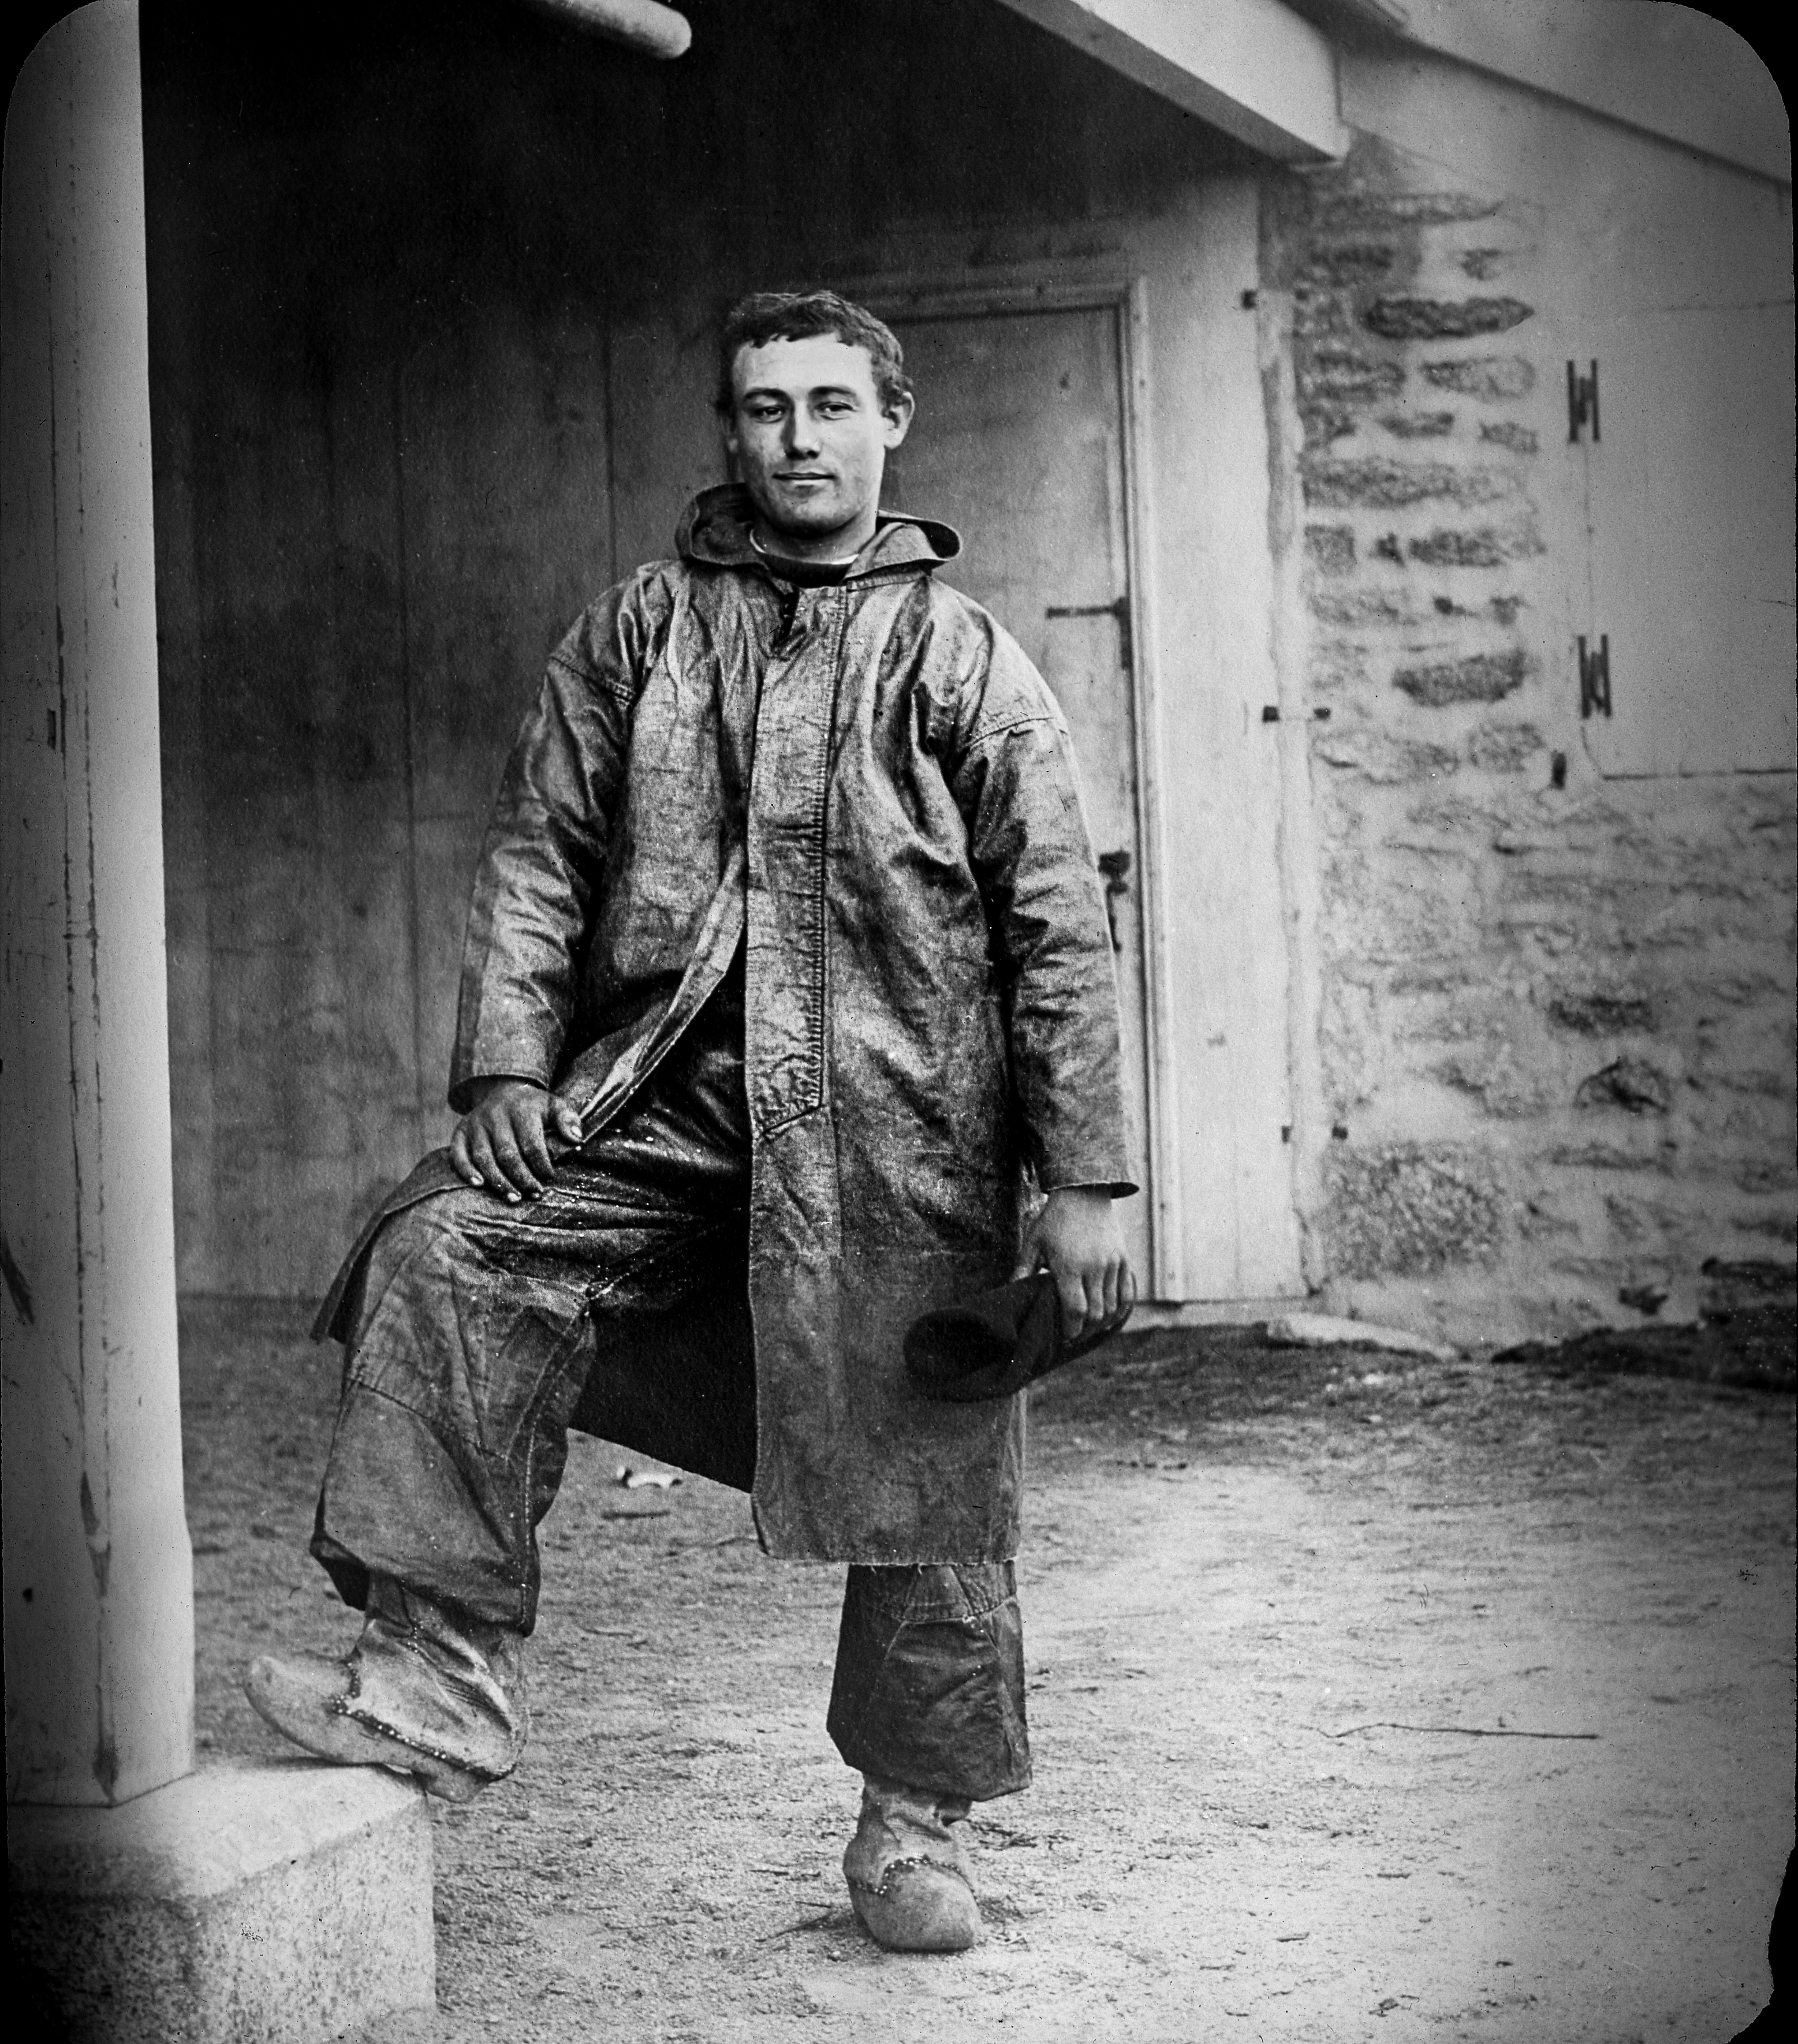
1595	676
1119	608
1582	401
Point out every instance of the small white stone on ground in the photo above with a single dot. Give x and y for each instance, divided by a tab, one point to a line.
1324	1330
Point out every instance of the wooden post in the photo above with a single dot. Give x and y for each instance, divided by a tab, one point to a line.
277	1902
98	1577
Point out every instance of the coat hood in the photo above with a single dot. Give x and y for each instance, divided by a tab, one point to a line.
714	531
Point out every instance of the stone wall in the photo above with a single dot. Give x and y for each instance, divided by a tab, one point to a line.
1554	1010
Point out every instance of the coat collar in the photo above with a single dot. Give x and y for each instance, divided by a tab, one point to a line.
714	530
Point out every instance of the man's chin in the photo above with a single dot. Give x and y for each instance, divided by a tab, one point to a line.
808	518
802	532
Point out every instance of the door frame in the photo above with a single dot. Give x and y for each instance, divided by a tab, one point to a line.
1125	298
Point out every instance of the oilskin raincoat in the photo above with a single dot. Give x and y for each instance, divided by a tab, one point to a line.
868	787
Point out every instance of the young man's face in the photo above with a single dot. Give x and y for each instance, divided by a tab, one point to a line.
810	439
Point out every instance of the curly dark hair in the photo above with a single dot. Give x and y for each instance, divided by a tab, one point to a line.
766	316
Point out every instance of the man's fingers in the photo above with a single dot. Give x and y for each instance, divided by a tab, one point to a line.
481	1156
501	1166
568	1123
518	1175
1094	1302
1073	1288
459	1154
1030	1257
1126	1294
1108	1296
528	1120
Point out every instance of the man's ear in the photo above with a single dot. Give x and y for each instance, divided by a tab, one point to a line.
897	413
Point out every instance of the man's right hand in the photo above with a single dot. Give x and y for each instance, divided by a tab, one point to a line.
502	1141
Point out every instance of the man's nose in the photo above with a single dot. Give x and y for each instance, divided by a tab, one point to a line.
801	433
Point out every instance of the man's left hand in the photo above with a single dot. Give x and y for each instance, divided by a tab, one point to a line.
1077	1239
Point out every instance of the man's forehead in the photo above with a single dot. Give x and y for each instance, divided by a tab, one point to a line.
816	361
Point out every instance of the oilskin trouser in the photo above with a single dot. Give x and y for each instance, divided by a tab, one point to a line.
478	1331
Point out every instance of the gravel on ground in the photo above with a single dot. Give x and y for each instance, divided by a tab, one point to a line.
1373	1697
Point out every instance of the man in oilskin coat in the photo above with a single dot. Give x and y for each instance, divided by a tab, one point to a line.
787	989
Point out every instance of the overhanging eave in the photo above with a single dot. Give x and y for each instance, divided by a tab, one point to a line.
1252	68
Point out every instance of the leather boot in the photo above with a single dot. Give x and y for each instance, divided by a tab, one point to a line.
909	1882
425	1691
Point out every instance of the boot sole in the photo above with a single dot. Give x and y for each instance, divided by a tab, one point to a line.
950	1924
325	1730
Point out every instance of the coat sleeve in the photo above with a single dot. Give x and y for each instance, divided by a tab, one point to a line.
546	841
1010	767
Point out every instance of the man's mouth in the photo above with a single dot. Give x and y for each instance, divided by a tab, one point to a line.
802	476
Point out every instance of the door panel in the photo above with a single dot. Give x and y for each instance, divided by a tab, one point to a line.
1017	443
1689	507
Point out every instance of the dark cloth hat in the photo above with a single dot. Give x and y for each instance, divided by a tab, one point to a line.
994	1343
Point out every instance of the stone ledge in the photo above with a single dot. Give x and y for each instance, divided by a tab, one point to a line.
283	1903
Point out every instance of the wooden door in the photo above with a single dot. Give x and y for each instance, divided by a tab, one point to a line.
1019	444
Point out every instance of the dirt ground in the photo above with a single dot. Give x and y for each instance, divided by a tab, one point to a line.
1371	1698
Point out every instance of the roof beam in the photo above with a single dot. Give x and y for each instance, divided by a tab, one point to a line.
1252	67
1676	71
639	25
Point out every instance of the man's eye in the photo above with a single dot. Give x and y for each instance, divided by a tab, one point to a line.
834	408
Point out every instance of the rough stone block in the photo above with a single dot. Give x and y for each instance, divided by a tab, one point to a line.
1507	433
1349	262
1318	314
1401	908
1630	1083
1493	1076
1651	1154
1758	1081
1378	757
1631	1221
1443	319
1491	377
1419	425
1647	1299
1346	212
1383	485
1331	548
1325	422
1349	376
1601	1014
1353	1044
1738	1285
1482	264
1405	1211
1541	1221
1374	605
1485	547
1476	677
1505	748
274	1904
1339	666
